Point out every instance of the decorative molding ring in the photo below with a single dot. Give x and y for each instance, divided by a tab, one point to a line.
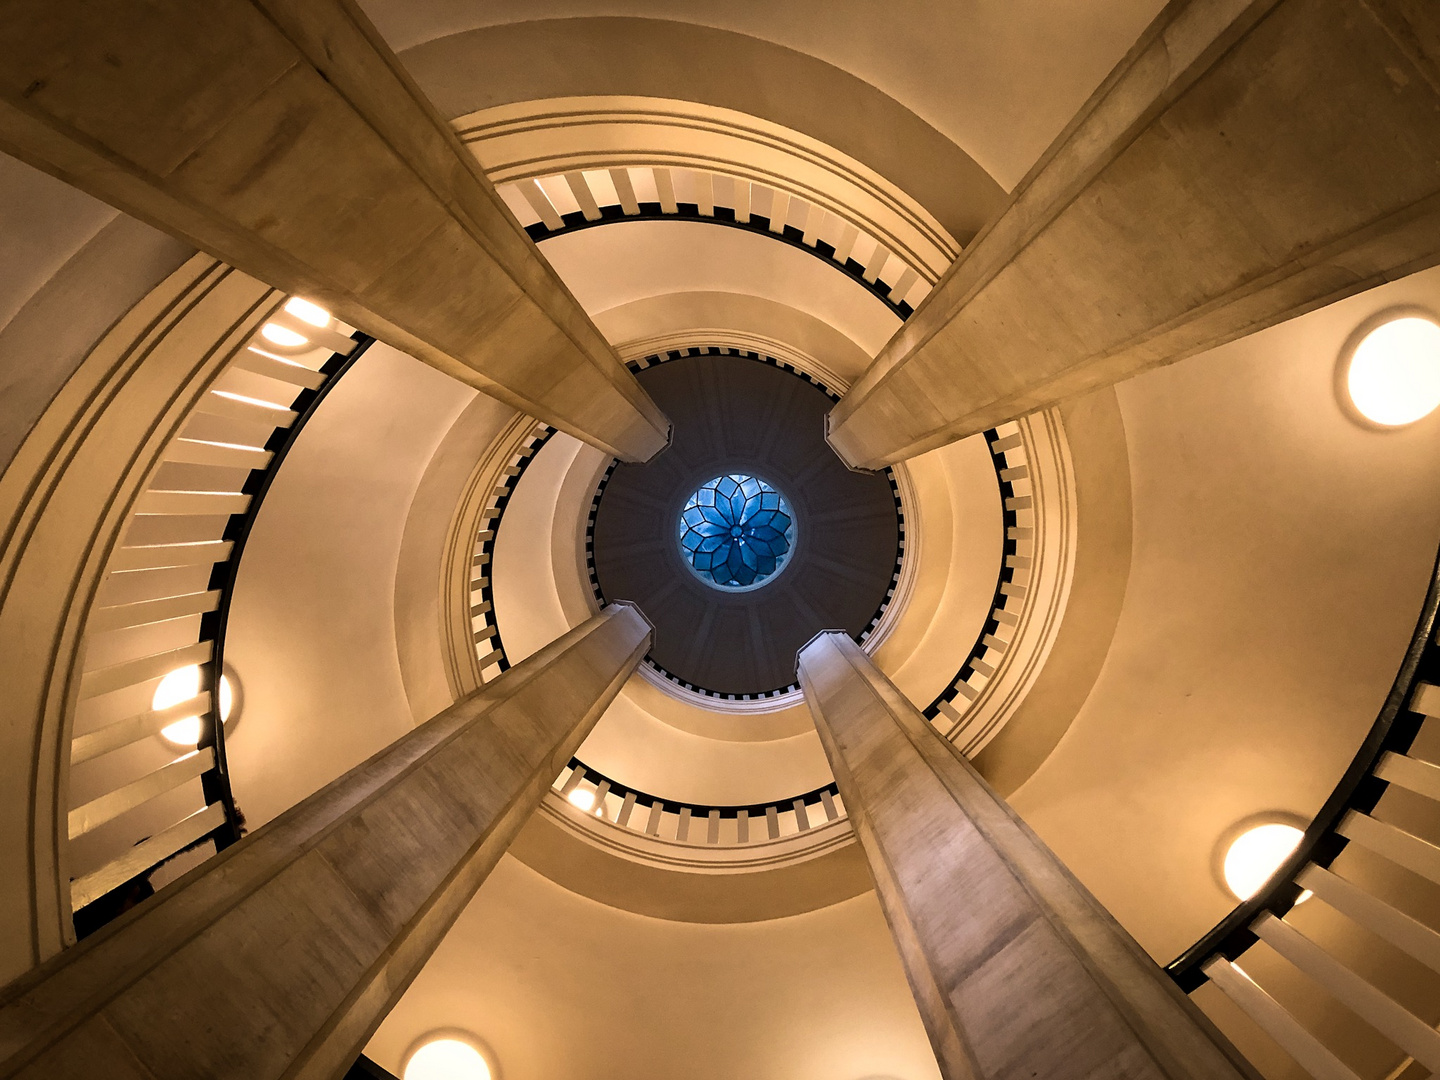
699	824
509	457
758	224
564	138
1037	488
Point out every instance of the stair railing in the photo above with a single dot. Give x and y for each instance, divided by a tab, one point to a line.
1355	862
138	808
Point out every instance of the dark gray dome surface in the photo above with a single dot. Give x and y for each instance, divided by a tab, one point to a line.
738	415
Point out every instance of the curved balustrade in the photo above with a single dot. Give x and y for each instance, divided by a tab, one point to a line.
949	711
744	155
550	205
163	610
485	630
693	823
1346	960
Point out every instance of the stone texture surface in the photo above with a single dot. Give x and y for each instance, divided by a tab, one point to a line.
1017	970
285	139
281	956
1245	163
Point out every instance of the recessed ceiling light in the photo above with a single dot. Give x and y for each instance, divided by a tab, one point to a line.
1256	854
583	798
1393	376
282	336
305	311
447	1059
182	684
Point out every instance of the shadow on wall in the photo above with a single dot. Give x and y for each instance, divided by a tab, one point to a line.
552	58
69	267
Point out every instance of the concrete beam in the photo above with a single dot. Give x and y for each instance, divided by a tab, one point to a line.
279	957
1248	161
1018	971
284	138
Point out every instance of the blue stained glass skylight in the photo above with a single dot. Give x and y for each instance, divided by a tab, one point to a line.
736	531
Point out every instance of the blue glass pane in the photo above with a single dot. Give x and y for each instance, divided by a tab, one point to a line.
736	531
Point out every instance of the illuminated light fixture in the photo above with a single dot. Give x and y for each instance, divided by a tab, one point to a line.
583	798
251	400
305	311
1393	375
447	1059
182	684
1256	854
282	336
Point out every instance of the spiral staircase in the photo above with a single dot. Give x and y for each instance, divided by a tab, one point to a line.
273	545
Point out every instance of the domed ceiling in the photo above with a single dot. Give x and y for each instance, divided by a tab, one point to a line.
735	584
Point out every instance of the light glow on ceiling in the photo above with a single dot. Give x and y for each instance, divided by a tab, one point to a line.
1394	374
1256	854
583	798
182	684
305	311
282	336
447	1059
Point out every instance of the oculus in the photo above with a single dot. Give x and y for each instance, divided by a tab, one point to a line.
736	532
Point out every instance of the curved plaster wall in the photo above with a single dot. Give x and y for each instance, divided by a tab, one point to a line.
969	72
1098	459
429	565
1280	555
561	986
69	267
683	318
657	59
312	625
626	262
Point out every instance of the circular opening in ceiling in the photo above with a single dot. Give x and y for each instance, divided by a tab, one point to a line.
736	532
1393	375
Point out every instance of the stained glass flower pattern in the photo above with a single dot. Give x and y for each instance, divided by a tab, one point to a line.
736	531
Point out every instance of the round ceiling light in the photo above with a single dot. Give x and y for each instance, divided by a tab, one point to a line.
1393	376
182	684
447	1059
1256	854
586	801
305	311
736	532
282	336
